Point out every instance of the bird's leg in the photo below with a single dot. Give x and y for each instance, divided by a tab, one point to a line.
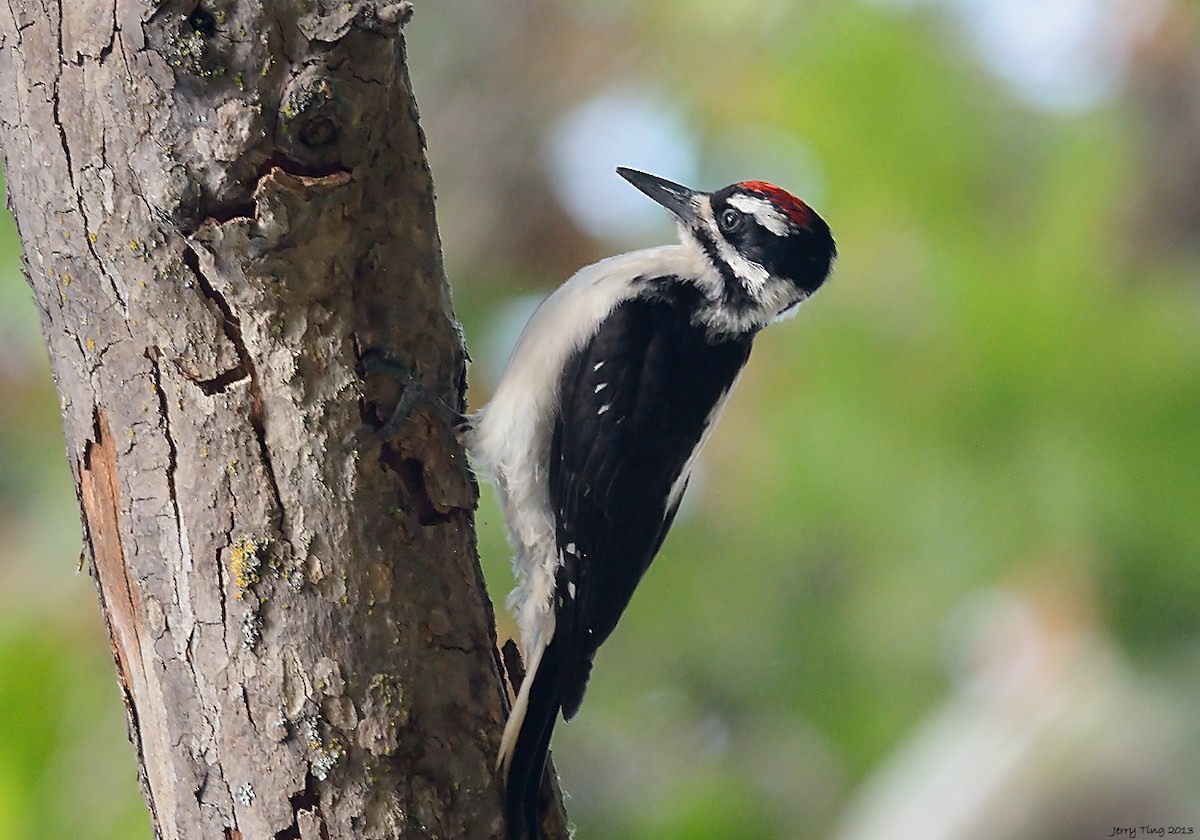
413	394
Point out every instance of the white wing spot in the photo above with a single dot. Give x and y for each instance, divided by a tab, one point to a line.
603	409
571	588
570	548
601	387
598	365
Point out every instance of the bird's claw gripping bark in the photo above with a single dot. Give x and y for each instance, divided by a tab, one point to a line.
413	394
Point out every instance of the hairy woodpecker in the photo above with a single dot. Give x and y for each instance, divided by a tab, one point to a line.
592	432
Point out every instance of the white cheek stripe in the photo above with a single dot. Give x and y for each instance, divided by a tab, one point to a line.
753	276
764	212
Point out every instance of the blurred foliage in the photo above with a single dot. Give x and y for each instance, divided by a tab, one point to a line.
999	389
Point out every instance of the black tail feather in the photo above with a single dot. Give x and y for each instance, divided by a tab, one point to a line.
524	784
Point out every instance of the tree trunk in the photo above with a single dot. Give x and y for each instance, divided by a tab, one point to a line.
221	205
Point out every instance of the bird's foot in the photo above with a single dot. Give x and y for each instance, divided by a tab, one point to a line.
413	393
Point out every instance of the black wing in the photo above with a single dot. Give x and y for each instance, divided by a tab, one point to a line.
636	400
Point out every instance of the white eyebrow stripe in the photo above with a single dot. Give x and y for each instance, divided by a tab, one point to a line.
763	211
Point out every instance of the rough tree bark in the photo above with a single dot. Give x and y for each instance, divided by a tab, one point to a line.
221	205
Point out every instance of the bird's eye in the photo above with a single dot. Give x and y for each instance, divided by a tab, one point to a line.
731	220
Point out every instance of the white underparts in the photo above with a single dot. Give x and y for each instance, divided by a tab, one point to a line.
710	423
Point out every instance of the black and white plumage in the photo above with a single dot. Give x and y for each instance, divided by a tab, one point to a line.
591	434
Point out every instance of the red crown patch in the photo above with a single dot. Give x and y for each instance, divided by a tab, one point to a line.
794	208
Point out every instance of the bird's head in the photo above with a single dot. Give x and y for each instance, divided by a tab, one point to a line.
770	249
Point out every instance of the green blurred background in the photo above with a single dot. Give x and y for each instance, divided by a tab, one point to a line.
938	574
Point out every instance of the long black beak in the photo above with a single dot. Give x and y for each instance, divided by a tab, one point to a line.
677	198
